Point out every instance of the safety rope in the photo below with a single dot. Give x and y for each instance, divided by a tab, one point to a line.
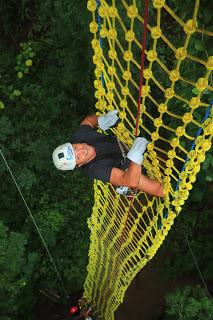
143	44
197	265
35	224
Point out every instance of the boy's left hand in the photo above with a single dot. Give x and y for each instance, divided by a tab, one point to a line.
108	120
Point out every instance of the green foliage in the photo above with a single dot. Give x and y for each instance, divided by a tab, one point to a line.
24	59
16	268
50	223
189	303
44	102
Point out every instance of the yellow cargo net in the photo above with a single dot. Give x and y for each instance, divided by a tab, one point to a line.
174	116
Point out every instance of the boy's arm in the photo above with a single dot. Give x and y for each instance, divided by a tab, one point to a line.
90	120
129	178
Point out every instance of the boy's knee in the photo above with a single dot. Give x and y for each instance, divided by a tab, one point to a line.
159	190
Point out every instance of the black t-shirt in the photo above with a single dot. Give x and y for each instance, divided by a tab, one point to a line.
108	153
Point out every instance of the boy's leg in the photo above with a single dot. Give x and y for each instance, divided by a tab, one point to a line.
150	186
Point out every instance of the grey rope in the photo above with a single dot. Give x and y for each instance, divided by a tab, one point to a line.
196	263
36	226
123	147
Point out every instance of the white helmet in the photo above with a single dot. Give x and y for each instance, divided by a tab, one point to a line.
64	157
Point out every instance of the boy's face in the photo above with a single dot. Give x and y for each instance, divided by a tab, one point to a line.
84	153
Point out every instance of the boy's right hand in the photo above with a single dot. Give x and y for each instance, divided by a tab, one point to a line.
137	150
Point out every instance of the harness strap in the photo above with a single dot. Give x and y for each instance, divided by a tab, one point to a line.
122	147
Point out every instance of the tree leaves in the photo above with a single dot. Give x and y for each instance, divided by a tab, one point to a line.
189	303
15	269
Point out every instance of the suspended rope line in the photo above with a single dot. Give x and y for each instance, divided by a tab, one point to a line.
34	222
99	22
197	266
48	296
207	55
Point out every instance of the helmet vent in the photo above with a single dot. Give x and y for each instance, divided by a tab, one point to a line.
61	155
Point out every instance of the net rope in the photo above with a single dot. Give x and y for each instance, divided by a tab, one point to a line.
175	116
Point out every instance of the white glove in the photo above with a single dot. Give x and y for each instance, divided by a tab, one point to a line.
108	120
137	150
